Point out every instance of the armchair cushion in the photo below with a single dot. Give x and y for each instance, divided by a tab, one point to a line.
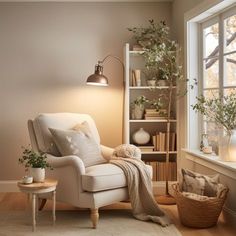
104	177
43	122
70	142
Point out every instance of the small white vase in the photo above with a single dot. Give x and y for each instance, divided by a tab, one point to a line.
232	146
38	174
141	137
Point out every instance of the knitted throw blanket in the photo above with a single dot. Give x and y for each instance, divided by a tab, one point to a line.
128	158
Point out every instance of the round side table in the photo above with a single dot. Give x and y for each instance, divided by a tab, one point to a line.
49	185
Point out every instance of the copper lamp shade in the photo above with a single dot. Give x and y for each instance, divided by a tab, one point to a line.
98	78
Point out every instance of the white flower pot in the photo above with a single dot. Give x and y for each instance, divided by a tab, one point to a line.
138	112
141	137
38	174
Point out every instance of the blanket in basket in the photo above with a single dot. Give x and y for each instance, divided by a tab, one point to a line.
128	158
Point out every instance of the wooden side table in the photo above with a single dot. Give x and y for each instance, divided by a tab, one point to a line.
49	185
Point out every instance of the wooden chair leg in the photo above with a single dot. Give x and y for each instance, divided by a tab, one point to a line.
94	217
42	204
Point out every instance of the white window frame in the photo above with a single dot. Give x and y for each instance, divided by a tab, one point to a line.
205	13
217	19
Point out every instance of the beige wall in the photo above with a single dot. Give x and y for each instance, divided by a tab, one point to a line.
179	7
47	50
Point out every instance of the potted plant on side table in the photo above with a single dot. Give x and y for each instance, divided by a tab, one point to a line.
37	163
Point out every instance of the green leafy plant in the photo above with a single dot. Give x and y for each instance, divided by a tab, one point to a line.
33	159
140	101
157	103
221	110
160	52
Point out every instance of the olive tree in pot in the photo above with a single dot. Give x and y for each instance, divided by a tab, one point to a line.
37	163
161	55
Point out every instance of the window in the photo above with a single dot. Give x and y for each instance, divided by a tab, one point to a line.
217	64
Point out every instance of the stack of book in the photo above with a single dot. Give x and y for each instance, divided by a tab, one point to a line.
136	78
153	114
159	171
147	148
160	140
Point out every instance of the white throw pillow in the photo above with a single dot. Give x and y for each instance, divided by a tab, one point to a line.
200	184
79	143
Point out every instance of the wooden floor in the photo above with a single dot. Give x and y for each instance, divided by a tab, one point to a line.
18	201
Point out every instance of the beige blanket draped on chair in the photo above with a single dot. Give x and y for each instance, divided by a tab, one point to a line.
128	158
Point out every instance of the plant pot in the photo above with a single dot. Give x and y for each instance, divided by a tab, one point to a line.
141	137
38	174
151	83
138	112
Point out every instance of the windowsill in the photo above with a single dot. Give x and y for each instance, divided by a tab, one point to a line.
212	161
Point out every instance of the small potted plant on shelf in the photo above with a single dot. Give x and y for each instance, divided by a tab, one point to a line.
222	111
139	105
37	163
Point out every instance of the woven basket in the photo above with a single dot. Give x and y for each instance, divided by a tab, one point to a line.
199	214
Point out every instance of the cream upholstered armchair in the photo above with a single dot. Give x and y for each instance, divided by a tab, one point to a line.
91	187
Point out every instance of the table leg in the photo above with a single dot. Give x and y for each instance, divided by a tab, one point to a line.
33	211
54	206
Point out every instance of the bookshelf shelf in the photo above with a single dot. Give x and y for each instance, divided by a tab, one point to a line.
151	121
135	52
154	153
149	87
158	152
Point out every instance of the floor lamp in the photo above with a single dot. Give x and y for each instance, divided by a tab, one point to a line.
99	79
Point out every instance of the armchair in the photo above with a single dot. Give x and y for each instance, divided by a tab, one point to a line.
91	187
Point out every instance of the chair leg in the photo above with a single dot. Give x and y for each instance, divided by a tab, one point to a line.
94	217
42	204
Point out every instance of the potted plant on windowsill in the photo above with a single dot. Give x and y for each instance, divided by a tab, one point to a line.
37	163
222	111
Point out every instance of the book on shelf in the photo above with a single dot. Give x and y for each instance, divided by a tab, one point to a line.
146	148
159	170
147	117
160	140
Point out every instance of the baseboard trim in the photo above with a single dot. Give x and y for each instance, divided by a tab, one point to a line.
230	215
8	186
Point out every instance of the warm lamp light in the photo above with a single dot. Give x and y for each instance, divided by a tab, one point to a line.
98	78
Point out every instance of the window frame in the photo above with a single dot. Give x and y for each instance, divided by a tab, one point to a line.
205	23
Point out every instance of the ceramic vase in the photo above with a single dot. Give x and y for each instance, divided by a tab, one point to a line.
141	137
138	112
232	146
38	174
151	82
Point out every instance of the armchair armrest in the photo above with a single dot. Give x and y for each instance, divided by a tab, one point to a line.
72	160
107	152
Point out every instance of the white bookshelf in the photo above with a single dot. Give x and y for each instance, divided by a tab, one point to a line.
135	60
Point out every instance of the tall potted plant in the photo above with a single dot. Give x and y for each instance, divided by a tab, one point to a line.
161	55
37	163
222	111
